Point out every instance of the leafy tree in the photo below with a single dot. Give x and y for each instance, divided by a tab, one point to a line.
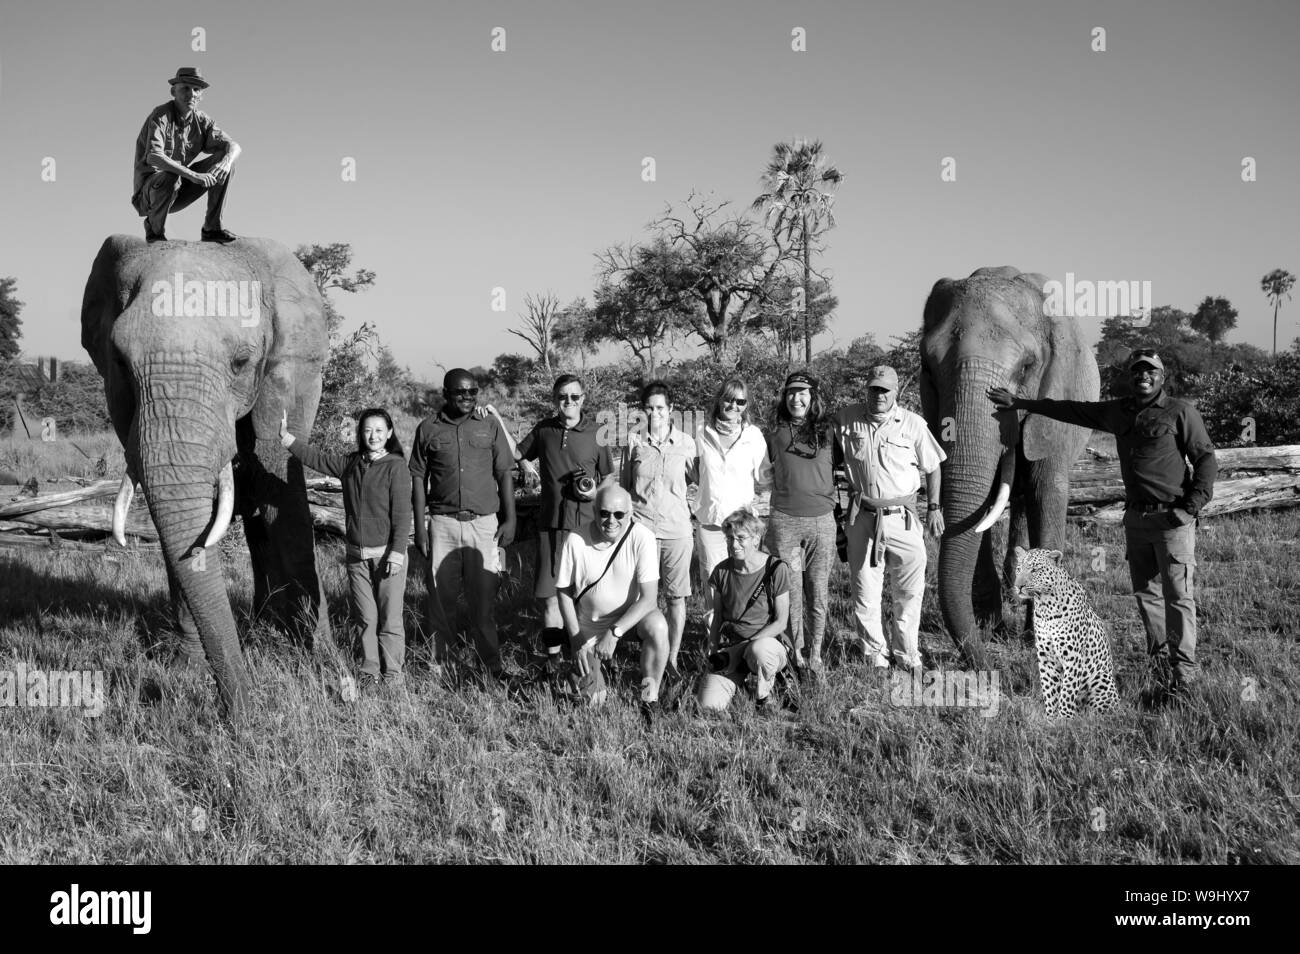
1267	394
780	315
799	195
1214	318
328	265
512	370
348	386
1277	284
75	401
10	324
715	267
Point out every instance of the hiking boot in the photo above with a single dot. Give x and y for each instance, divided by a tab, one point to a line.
368	684
224	236
150	236
650	712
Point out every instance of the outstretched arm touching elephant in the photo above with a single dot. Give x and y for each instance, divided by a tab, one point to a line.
318	460
1083	413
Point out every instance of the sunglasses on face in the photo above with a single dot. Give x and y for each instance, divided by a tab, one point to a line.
463	392
568	398
738	401
616	514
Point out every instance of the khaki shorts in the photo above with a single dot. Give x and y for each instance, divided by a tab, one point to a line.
675	567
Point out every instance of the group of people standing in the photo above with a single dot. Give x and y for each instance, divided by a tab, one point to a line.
612	541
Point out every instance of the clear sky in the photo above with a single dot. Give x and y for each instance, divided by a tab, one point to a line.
478	169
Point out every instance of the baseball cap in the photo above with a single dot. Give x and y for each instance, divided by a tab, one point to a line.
883	376
1145	356
800	379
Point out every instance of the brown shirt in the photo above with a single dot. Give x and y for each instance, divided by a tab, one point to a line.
460	464
165	134
1155	442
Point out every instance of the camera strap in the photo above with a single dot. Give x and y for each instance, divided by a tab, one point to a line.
763	584
612	557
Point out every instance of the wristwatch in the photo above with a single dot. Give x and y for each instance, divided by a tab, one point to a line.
933	506
615	633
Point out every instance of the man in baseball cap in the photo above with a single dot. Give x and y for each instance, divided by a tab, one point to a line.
884	450
1155	436
169	175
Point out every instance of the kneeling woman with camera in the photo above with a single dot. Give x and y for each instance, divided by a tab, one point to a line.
751	605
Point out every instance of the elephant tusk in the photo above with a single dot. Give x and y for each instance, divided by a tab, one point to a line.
125	494
225	506
1000	504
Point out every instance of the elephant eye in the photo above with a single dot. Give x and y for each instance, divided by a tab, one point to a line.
241	359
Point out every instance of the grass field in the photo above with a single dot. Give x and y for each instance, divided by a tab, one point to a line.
443	775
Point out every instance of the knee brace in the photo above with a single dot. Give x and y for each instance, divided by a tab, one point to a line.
553	639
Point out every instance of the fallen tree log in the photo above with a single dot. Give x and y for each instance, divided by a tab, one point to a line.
1230	496
1096	480
25	505
30	541
138	523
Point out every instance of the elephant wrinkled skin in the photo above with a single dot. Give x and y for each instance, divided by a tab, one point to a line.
191	395
989	330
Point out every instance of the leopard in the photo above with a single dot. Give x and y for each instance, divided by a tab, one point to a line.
1075	665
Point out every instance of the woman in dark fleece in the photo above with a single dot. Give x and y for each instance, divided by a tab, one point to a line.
377	505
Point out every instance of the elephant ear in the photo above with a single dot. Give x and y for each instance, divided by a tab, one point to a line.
300	343
1070	375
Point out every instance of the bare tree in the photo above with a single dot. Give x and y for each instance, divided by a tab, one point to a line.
538	326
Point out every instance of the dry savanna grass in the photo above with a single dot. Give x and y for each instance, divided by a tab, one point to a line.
446	773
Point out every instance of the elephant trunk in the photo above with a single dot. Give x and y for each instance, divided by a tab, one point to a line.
183	449
978	459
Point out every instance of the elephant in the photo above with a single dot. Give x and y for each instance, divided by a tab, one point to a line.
201	347
991	330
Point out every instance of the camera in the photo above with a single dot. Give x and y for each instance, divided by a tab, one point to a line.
581	484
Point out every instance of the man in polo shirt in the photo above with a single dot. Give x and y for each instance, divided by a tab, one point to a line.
656	470
608	583
1156	436
461	473
885	449
566	448
169	175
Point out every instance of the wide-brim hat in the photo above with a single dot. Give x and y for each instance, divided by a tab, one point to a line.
190	76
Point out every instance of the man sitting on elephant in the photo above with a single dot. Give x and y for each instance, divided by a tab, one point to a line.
1155	436
167	176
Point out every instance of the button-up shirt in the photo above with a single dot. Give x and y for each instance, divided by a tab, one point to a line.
561	451
885	461
164	133
1155	441
461	463
655	474
730	473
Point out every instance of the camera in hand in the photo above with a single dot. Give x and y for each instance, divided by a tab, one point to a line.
580	483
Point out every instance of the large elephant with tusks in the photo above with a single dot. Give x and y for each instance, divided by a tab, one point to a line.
201	346
990	330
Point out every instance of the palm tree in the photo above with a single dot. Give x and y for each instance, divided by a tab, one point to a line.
798	199
1275	284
